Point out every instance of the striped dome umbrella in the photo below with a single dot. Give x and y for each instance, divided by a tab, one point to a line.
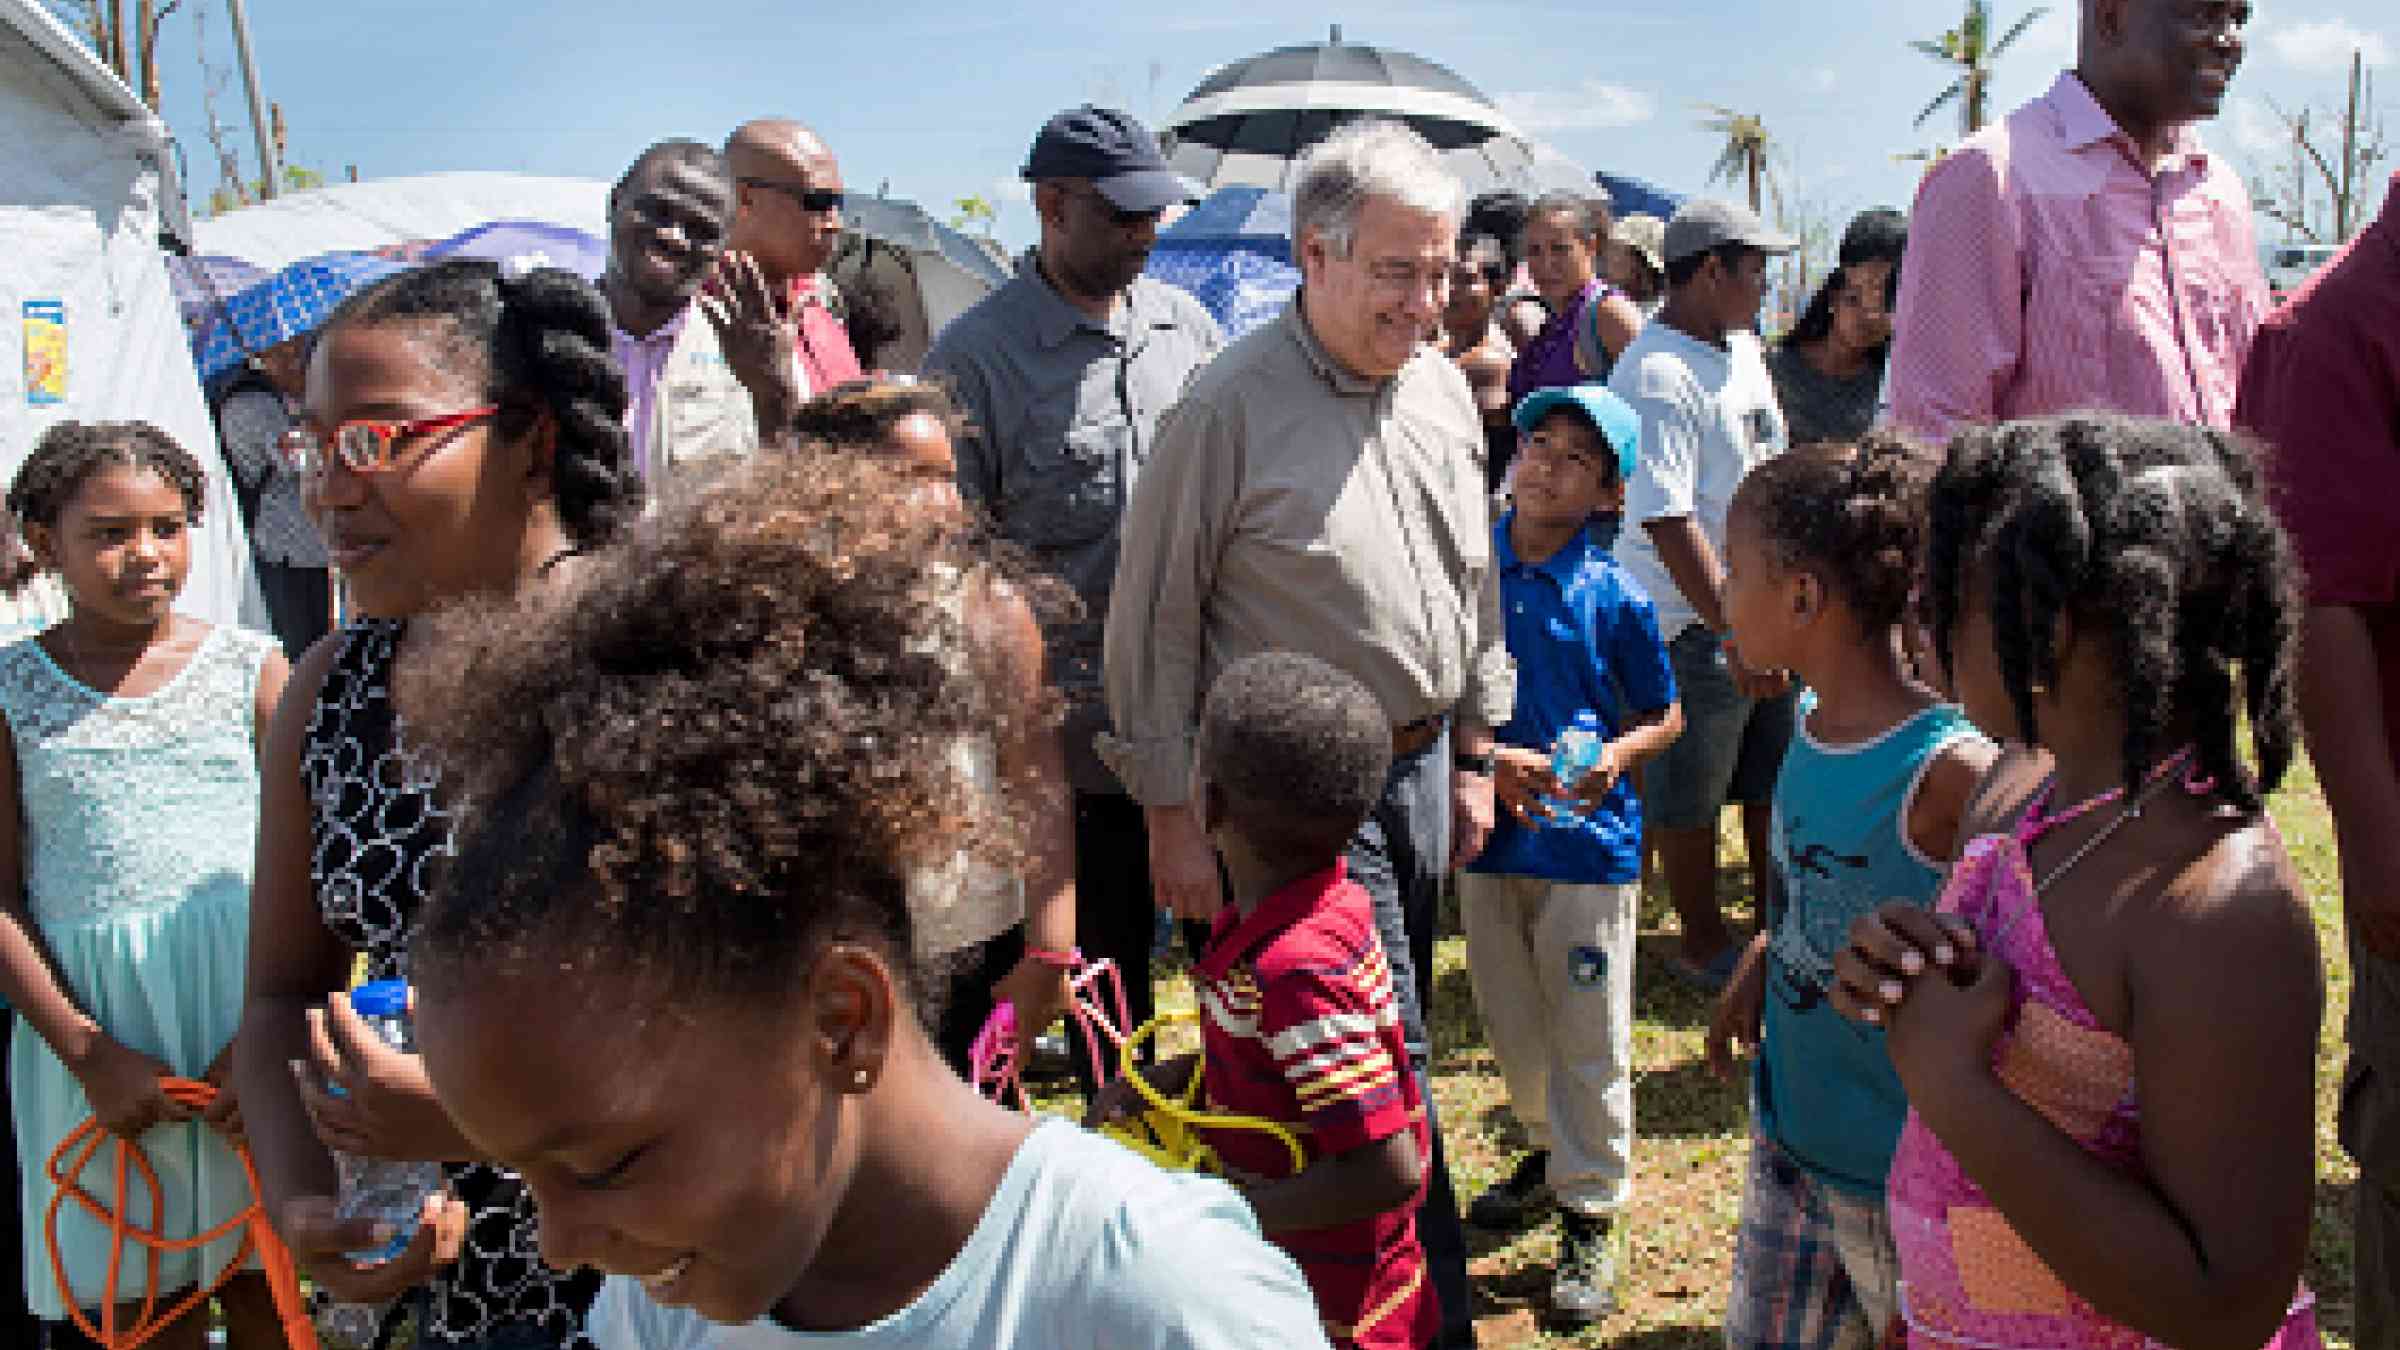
1250	121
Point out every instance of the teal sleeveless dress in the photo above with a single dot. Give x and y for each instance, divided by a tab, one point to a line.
140	818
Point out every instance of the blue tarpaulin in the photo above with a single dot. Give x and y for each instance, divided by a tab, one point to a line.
1233	253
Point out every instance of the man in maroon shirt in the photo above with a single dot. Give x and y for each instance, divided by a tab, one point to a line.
2322	386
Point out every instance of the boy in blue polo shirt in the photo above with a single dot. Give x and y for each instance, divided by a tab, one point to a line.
1549	906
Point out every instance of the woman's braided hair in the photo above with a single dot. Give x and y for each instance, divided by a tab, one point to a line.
70	452
540	341
2151	533
1853	516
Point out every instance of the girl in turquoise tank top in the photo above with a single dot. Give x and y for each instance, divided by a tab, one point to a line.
128	805
1821	549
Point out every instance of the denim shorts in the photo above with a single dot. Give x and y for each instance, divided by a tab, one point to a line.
1731	748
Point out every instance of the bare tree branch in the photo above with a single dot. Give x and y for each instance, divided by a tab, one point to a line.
2354	140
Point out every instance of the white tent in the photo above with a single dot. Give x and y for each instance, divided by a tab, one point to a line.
298	225
85	195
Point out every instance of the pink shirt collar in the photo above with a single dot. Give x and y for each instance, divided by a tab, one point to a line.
2083	123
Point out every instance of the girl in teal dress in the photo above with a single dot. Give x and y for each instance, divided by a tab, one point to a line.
128	810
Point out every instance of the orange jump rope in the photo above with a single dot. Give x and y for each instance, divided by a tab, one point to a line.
66	1166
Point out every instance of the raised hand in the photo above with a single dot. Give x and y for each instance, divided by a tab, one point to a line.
758	330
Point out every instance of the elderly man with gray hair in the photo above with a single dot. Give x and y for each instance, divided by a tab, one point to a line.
1320	488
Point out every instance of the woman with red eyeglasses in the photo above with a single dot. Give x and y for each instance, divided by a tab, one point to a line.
462	435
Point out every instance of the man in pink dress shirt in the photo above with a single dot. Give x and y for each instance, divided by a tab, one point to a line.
788	215
2089	252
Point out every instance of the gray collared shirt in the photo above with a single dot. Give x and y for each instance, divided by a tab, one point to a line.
1296	505
1061	410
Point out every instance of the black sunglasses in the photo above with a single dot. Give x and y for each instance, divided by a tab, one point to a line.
819	200
1124	219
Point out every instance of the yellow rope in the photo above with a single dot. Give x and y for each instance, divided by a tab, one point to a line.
1168	1132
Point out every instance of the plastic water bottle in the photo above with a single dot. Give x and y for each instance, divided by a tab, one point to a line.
377	1189
1575	753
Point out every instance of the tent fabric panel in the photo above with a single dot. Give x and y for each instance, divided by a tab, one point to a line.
79	222
372	215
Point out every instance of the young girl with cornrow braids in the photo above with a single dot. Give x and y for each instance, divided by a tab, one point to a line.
2108	1026
1822	546
129	788
462	436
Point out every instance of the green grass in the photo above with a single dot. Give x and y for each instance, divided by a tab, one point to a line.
1692	1133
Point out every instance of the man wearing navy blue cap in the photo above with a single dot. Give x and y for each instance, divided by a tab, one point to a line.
1063	374
1549	905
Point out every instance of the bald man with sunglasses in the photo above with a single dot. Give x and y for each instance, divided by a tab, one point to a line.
788	198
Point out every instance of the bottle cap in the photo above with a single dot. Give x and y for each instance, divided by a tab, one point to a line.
380	998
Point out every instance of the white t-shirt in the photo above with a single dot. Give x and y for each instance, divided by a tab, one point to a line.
1085	1246
1708	415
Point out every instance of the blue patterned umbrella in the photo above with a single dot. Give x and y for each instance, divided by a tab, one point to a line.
203	283
1233	253
286	305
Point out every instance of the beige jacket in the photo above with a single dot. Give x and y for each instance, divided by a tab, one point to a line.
701	410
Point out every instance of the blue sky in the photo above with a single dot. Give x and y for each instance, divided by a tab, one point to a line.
939	100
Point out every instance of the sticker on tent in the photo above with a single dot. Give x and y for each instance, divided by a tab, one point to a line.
45	351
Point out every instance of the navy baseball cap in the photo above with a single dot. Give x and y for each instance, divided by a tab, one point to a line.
1619	424
1118	155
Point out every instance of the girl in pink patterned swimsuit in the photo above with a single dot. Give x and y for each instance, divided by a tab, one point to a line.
2108	1026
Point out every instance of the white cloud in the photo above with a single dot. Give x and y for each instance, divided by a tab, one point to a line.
2256	131
2323	46
1824	79
2052	35
1594	105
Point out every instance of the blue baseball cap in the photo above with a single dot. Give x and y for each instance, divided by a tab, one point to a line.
1118	155
1619	424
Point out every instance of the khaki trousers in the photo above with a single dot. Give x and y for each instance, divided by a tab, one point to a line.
1552	965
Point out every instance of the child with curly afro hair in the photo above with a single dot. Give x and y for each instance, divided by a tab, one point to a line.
672	974
2107	1026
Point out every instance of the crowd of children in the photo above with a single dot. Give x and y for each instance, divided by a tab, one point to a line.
670	815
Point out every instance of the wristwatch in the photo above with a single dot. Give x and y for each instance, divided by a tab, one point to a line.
1477	763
